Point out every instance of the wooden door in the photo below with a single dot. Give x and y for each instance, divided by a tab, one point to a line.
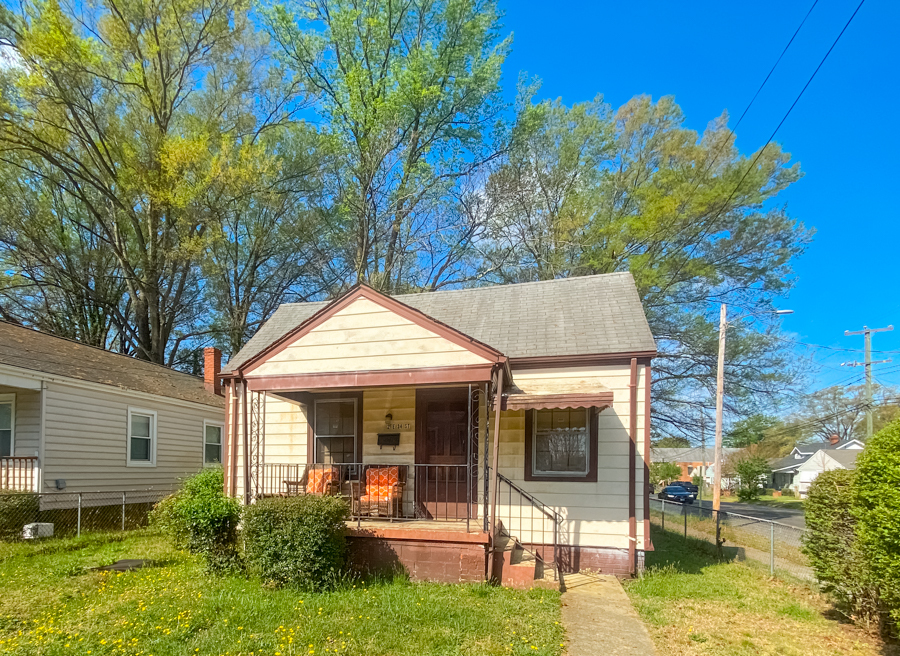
442	451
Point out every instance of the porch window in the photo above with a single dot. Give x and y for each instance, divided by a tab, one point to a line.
561	444
141	438
7	424
335	431
212	444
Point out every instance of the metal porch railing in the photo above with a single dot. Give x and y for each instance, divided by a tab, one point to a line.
18	473
531	523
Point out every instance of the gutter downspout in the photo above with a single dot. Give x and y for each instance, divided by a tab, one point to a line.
234	440
495	492
246	443
632	464
39	478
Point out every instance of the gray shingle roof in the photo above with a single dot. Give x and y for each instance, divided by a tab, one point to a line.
571	316
36	351
846	457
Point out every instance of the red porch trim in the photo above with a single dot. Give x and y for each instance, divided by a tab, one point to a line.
599	400
646	496
401	533
388	378
363	291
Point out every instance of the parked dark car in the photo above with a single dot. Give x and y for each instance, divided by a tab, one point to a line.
690	487
675	493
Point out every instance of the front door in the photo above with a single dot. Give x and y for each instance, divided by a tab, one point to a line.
442	452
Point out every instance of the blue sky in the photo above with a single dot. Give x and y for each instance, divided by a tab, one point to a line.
713	56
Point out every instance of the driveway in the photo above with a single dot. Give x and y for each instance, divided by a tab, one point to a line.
788	516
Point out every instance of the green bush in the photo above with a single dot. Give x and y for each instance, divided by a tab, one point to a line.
787	491
877	508
835	553
16	510
768	492
297	541
750	470
201	519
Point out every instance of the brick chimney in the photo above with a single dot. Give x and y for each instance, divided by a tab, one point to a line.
834	439
212	369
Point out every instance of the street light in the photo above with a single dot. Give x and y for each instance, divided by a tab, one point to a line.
720	400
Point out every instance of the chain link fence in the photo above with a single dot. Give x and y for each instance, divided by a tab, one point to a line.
772	544
27	515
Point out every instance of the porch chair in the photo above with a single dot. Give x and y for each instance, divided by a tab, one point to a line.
383	492
321	480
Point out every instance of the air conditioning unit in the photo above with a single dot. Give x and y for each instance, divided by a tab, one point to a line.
37	530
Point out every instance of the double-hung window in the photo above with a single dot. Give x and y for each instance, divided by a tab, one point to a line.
141	438
212	443
335	431
561	444
7	424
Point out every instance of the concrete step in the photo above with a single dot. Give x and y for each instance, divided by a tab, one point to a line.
515	567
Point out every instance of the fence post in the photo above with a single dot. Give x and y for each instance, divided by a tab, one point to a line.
664	514
123	510
772	548
78	526
718	534
684	512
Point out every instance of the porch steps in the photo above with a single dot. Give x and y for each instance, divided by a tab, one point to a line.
515	567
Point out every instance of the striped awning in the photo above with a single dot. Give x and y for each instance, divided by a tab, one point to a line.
548	393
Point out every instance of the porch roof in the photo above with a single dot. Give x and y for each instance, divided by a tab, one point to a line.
543	394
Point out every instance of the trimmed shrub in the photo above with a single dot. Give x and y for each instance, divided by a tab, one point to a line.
16	510
787	491
834	552
877	508
201	519
298	541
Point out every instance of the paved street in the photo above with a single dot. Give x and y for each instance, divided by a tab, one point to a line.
787	516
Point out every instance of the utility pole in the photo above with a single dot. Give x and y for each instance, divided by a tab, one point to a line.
867	333
703	461
720	402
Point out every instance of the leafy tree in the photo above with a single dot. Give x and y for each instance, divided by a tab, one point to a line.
751	472
664	471
126	110
750	430
838	410
587	190
409	96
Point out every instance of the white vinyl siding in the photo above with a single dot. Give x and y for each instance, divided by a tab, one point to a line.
86	439
365	336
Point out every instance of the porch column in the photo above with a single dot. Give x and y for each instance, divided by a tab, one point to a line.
498	403
246	442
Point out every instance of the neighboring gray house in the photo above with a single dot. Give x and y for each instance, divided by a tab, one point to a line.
786	471
79	418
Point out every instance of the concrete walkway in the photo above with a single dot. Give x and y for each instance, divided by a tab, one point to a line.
599	618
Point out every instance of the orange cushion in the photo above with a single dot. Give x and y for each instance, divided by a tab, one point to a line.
319	479
382	476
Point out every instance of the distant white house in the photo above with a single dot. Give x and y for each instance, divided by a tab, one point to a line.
786	471
823	461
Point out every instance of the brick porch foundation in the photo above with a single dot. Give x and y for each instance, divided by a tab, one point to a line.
442	556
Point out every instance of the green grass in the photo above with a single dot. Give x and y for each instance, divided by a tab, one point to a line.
695	605
775	502
52	604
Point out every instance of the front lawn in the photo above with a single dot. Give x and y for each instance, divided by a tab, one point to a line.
52	605
694	605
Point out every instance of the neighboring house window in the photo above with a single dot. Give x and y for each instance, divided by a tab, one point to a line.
212	444
335	431
141	437
7	424
561	444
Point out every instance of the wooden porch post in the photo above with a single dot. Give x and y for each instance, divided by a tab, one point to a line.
246	443
233	444
495	482
632	464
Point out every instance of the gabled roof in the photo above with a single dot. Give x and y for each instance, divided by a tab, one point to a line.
844	457
789	463
589	315
812	447
35	351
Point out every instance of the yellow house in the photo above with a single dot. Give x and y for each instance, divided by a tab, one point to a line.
489	432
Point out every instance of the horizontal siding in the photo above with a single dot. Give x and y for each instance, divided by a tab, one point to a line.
366	337
86	440
27	433
596	514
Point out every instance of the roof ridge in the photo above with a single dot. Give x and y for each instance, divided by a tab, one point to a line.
101	350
